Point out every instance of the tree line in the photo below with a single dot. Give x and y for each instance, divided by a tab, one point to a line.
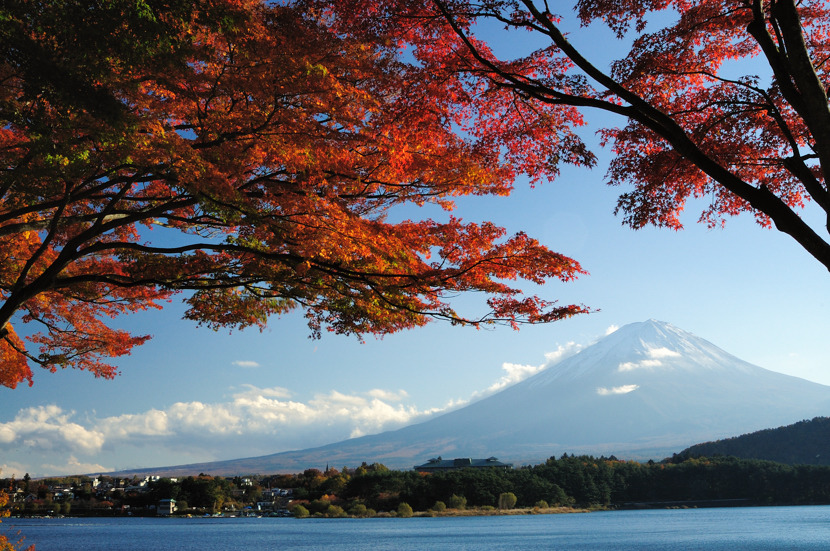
805	443
369	490
587	481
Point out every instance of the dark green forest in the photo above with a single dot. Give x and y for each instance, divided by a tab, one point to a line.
586	481
802	443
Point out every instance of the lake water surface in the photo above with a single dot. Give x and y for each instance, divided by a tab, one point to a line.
757	528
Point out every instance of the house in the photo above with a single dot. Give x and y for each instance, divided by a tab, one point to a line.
275	493
166	507
437	464
267	505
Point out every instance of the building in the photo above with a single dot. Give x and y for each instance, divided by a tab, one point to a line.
437	464
273	494
166	507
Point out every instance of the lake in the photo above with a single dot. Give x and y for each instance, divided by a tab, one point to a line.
757	528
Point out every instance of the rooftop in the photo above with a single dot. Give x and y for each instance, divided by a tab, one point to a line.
439	464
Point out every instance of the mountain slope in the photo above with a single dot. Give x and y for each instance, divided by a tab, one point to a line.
802	443
647	382
644	391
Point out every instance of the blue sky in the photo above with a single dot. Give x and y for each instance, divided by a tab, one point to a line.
192	394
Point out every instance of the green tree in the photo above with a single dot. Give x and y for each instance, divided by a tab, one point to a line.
559	497
507	500
529	487
404	510
334	485
164	488
318	506
457	502
299	511
335	511
205	491
358	510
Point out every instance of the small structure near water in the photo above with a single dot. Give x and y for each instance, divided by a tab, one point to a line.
166	507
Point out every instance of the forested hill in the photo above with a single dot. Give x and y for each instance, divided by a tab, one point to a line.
802	443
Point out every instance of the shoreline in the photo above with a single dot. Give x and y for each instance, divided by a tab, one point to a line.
471	512
476	512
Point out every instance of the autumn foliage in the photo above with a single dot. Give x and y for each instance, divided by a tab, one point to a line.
260	157
722	101
255	159
5	544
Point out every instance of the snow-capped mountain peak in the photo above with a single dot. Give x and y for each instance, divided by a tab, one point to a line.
642	347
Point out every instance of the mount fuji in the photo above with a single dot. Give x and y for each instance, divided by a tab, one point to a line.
644	391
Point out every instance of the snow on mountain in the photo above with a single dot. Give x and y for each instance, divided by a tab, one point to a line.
649	384
645	391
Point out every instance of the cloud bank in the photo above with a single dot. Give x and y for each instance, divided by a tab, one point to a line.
257	420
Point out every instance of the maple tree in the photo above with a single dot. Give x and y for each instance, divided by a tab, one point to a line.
698	122
5	544
244	154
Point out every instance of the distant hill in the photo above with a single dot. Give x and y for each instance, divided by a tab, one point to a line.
802	443
643	392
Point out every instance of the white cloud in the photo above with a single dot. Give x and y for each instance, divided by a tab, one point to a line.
150	423
654	358
17	470
336	401
7	434
625	389
657	353
245	363
611	329
387	395
451	405
514	374
562	352
49	428
252	391
73	466
642	364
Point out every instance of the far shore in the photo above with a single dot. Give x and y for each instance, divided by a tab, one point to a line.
488	512
467	512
